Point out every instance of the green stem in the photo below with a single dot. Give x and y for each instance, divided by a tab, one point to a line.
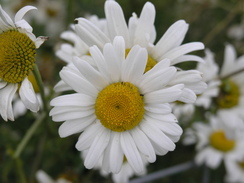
20	172
29	134
232	74
41	87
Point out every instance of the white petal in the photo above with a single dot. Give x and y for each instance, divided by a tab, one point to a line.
131	152
78	83
188	96
75	126
20	14
116	154
171	39
90	73
113	62
28	95
157	80
157	136
97	148
5	17
90	33
61	86
185	58
145	25
87	137
182	50
69	113
143	144
40	40
158	108
165	95
6	97
134	65
76	99
116	21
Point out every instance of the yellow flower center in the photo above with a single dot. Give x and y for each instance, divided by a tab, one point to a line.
219	141
150	61
17	56
119	106
229	94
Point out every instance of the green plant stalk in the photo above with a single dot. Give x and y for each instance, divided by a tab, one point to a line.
20	172
29	134
41	87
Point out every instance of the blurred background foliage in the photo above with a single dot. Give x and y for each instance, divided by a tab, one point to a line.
209	20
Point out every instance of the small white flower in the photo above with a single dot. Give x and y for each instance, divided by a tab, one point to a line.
118	109
17	49
216	141
231	94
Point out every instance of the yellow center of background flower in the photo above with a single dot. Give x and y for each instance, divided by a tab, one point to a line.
229	94
241	164
219	141
150	61
119	106
17	56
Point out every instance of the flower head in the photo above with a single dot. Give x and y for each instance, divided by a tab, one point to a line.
17	49
120	110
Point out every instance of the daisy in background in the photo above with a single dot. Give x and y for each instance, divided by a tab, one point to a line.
141	31
17	49
230	99
216	141
119	110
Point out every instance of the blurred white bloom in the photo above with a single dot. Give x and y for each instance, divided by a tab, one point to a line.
43	177
18	50
120	110
231	94
236	31
216	141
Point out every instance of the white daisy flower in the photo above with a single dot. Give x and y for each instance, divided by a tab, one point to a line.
18	49
120	110
231	94
216	141
141	31
43	177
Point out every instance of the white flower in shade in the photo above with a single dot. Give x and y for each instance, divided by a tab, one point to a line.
119	110
216	141
210	75
231	93
183	111
235	169
141	31
17	49
43	177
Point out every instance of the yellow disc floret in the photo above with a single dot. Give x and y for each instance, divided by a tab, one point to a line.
17	56
150	61
219	141
229	94
119	106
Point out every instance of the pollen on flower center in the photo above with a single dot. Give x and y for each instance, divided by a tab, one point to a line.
219	141
150	61
17	56
229	94
119	106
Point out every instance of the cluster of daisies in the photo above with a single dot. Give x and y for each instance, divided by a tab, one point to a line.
124	93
